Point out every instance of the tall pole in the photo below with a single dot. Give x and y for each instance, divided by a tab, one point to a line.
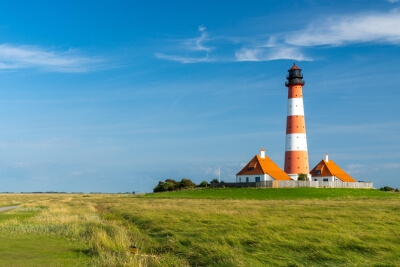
296	155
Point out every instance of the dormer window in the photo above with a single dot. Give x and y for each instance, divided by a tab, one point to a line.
252	166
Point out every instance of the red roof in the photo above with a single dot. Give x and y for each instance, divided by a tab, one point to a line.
258	165
294	67
329	168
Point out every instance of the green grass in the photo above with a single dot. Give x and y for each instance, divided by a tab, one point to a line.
21	248
39	250
220	227
212	227
275	193
21	216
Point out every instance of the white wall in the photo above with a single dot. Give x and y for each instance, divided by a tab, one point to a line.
252	178
321	178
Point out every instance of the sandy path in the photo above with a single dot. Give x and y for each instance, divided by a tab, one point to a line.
8	208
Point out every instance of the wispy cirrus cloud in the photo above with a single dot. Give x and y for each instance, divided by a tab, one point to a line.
185	60
24	56
192	45
198	43
271	53
340	30
354	28
264	51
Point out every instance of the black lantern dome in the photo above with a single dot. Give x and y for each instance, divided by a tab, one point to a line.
294	77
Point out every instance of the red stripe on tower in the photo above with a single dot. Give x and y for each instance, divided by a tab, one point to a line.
296	155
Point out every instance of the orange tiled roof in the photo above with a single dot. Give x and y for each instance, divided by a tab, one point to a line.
258	165
331	169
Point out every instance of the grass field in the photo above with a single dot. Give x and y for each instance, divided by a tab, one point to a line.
218	227
274	194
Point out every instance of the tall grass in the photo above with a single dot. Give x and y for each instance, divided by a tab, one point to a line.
341	230
207	232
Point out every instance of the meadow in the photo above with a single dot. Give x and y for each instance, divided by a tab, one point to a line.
211	227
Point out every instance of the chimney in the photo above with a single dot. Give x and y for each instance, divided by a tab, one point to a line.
326	158
262	153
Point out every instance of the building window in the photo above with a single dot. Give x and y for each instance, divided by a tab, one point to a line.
240	179
318	172
247	179
326	180
315	179
257	179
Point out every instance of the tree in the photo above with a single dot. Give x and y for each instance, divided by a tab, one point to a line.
159	187
214	181
203	184
186	183
172	185
302	177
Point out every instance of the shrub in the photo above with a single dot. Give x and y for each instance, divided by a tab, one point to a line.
186	183
203	184
302	177
172	185
387	188
214	181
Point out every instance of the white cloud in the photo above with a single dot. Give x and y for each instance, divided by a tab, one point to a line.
18	57
355	168
273	53
197	44
391	166
333	31
183	59
393	1
361	28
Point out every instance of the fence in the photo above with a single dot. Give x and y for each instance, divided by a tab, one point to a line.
288	184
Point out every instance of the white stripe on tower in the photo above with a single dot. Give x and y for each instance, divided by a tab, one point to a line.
296	155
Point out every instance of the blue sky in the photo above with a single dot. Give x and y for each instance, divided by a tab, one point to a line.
114	96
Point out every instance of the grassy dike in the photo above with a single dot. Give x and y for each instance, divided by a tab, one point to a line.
212	227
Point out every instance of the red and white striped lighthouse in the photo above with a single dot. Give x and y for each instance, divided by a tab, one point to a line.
296	155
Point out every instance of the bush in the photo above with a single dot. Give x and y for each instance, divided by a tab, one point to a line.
214	181
302	177
387	188
186	183
203	184
172	185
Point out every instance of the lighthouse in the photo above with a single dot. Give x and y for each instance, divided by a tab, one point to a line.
296	155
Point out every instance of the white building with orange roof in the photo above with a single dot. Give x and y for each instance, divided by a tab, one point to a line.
327	171
261	168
